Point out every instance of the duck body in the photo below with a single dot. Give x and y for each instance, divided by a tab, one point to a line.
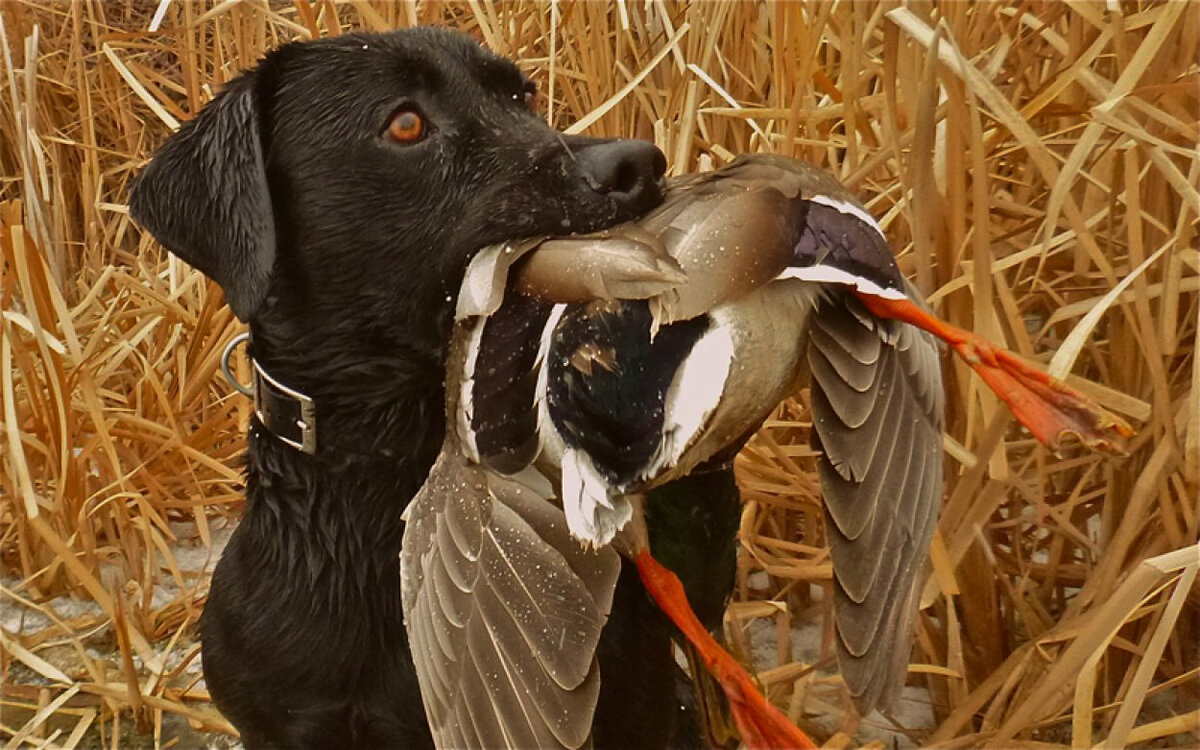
641	392
633	393
632	407
587	374
602	368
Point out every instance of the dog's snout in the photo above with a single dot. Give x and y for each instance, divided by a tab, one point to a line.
625	170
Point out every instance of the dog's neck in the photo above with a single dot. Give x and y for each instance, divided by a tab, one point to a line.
378	398
337	513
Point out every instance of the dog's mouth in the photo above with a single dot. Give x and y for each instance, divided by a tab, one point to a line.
568	221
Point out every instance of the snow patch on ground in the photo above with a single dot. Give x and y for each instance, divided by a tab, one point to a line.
912	710
195	562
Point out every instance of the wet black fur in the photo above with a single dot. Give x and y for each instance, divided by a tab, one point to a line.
343	251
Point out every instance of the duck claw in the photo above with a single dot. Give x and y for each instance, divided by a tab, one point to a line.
760	723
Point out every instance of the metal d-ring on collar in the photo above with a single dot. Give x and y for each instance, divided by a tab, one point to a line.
289	414
227	371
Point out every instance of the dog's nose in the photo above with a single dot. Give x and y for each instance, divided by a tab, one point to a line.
627	171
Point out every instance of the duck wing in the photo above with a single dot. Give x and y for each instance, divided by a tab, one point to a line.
503	610
877	394
877	402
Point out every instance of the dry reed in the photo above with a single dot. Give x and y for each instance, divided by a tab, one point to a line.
1035	163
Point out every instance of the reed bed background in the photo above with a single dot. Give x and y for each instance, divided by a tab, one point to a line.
1034	164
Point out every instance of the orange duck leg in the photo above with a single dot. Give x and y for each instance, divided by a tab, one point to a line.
1045	405
761	724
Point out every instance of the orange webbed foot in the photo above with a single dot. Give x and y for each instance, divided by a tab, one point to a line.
1046	406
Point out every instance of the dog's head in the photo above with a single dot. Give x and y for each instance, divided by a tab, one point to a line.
354	177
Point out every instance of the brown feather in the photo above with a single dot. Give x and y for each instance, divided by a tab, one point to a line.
881	472
504	611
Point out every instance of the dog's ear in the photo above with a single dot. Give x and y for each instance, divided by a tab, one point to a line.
204	196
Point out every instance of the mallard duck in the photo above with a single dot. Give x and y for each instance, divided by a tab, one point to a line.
586	371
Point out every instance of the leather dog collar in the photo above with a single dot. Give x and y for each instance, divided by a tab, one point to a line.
287	413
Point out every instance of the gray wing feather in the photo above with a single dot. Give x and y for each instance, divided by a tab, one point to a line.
504	612
877	405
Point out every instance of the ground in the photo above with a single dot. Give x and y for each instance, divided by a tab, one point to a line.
92	633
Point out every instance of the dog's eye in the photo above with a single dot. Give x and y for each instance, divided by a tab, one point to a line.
406	126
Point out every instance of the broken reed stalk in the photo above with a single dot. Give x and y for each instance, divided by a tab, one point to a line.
1035	165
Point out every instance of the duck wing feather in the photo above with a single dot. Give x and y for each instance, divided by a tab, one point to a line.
504	610
877	405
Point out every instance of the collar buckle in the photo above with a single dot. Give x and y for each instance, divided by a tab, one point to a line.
287	413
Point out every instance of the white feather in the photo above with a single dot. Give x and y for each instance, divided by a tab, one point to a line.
478	293
593	515
831	275
550	443
692	396
466	404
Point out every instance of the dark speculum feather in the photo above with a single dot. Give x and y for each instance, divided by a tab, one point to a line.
846	242
612	406
504	411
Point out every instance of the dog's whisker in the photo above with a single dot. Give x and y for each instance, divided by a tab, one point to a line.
566	148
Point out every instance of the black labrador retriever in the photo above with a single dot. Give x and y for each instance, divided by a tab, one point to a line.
336	193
